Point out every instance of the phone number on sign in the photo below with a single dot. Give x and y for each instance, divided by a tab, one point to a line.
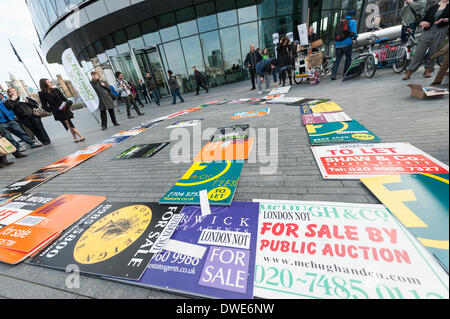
317	285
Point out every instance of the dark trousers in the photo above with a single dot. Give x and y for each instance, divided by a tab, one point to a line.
286	72
146	97
156	96
104	117
253	77
203	86
340	52
12	127
128	101
176	93
34	123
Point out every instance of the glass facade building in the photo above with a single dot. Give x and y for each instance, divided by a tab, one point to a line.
214	36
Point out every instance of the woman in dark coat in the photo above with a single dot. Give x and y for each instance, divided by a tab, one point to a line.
54	101
284	59
106	101
23	108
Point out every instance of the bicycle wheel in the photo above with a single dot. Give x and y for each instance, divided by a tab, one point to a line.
400	63
298	80
370	66
326	69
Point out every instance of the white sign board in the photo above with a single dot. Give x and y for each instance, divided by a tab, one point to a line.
79	80
276	38
356	161
303	34
326	250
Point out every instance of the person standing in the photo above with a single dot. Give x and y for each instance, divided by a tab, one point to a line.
412	14
9	126
174	87
153	87
23	108
134	92
345	33
54	101
252	59
435	25
200	80
264	71
106	101
284	57
123	88
144	92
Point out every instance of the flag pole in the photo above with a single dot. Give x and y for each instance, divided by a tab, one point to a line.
43	62
20	60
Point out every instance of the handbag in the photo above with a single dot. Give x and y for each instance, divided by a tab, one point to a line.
6	147
40	112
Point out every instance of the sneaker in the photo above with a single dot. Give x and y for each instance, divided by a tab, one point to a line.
268	90
20	155
141	114
260	92
116	124
22	149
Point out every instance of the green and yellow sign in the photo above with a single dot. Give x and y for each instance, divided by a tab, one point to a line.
220	179
339	132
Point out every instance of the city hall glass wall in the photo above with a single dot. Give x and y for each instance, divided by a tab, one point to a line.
214	36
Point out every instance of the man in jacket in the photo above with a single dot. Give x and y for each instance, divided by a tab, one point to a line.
200	80
264	71
153	87
411	13
106	102
123	88
144	91
345	46
174	87
9	126
252	59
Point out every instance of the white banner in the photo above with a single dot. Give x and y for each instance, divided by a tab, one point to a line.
79	80
303	34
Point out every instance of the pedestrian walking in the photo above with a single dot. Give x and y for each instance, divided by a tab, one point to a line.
412	14
144	92
153	87
123	88
174	87
252	59
200	80
345	33
9	126
54	101
25	110
264	71
106	100
435	26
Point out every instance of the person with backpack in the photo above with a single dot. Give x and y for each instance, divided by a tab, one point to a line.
345	33
435	26
412	14
200	80
174	87
124	90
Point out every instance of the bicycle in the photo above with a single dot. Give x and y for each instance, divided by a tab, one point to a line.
409	50
302	71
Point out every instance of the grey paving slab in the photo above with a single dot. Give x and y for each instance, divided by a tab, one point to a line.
383	104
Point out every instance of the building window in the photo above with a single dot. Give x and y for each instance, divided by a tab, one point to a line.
210	44
207	19
231	50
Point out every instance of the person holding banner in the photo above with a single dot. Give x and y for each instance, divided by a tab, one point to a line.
105	98
54	101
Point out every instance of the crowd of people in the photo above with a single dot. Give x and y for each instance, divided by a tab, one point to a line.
22	116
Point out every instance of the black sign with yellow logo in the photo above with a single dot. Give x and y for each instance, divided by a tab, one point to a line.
115	240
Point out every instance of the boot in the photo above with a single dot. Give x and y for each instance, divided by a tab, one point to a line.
407	75
4	162
427	73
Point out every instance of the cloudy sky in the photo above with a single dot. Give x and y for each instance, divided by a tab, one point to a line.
16	24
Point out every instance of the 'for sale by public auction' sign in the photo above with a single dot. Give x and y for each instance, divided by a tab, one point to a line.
341	251
356	161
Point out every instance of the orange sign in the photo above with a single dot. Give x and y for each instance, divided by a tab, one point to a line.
231	150
32	232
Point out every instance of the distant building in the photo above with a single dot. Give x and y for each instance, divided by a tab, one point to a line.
66	87
20	86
